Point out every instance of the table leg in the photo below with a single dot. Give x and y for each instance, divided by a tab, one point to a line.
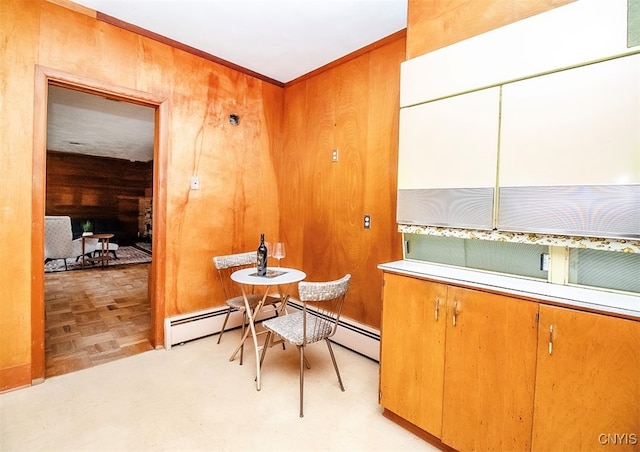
103	256
251	316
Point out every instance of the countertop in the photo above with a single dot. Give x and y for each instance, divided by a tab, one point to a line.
571	296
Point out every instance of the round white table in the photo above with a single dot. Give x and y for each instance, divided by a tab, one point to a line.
276	276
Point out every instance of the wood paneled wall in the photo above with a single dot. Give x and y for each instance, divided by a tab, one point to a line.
235	163
353	108
435	24
90	187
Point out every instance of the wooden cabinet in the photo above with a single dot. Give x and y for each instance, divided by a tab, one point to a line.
587	383
412	353
449	360
484	371
489	376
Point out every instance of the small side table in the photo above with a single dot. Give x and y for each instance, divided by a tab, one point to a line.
103	239
276	276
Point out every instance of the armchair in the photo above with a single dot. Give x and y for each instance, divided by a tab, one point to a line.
59	243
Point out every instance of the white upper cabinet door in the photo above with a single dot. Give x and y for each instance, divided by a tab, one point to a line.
567	36
450	143
575	127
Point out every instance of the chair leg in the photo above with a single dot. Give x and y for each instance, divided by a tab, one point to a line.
335	364
224	324
301	379
244	327
267	342
278	314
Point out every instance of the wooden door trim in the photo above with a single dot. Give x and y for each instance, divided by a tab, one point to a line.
43	77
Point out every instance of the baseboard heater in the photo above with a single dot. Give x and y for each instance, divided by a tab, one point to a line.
187	327
352	334
184	328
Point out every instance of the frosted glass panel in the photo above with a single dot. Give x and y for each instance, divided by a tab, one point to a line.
608	269
503	257
633	23
512	258
441	250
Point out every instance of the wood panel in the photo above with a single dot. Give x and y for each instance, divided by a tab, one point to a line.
590	381
18	46
412	353
432	25
353	108
196	98
490	371
98	188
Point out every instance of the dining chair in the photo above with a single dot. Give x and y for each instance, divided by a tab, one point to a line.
322	304
226	265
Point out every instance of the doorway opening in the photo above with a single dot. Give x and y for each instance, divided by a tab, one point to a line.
103	207
98	219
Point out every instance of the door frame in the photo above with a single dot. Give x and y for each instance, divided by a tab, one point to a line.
43	77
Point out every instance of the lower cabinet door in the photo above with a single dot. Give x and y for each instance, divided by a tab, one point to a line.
490	371
588	382
412	350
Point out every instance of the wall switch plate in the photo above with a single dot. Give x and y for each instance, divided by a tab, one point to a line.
195	183
367	222
334	155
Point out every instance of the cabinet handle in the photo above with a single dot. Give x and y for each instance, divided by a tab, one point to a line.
455	312
550	339
437	307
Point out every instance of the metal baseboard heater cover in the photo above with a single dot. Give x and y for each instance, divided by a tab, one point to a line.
184	328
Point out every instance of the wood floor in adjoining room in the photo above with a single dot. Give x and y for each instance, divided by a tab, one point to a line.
95	316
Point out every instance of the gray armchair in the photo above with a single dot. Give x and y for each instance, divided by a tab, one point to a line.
59	243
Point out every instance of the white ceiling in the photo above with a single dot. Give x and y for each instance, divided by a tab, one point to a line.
279	39
90	124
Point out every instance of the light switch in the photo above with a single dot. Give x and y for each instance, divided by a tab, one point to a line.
195	183
334	155
544	262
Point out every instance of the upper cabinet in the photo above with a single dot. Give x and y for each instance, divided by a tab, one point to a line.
532	127
572	137
579	32
574	127
446	167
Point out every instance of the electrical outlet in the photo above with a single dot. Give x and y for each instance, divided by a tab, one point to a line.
367	222
195	183
334	155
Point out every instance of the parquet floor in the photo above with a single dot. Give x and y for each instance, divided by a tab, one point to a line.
94	316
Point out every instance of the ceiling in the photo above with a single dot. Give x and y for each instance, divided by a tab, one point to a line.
279	39
90	124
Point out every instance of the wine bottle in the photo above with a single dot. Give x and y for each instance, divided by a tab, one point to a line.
262	257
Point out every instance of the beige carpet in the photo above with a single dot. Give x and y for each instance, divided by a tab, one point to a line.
191	398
